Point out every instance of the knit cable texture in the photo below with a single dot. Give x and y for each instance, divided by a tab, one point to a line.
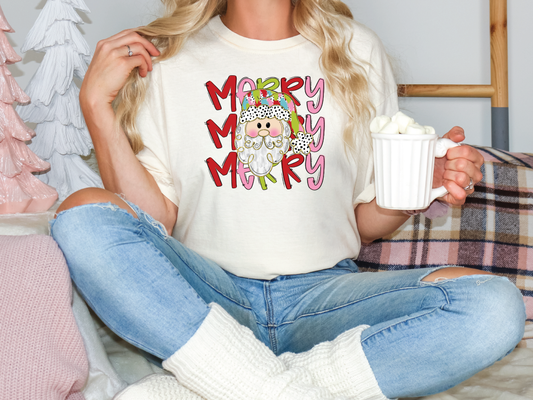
224	361
339	365
42	356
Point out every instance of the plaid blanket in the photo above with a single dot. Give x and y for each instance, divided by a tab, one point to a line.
492	231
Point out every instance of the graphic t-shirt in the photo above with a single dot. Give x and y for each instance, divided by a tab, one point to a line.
246	139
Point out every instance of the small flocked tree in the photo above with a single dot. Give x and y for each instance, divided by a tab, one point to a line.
20	191
62	136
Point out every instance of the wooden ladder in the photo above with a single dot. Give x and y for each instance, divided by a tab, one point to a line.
498	90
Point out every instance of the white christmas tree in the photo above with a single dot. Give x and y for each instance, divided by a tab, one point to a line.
62	135
20	191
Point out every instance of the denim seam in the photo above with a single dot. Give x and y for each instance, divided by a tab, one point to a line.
270	317
206	282
444	292
342	306
401	322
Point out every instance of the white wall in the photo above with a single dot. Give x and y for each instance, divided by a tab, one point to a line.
106	18
447	42
438	41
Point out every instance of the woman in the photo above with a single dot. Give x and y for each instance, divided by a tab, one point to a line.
266	233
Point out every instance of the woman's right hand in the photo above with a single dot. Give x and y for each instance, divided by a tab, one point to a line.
120	169
111	65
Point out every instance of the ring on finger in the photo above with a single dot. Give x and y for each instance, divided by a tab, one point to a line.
130	53
470	185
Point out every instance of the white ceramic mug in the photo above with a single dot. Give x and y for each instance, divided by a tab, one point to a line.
403	169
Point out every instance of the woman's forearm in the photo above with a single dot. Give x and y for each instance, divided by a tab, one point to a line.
114	60
120	169
374	222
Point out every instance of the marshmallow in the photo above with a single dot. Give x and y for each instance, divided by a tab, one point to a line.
415	129
391	127
429	130
400	123
402	120
378	123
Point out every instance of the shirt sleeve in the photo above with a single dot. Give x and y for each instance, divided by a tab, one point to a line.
383	96
152	128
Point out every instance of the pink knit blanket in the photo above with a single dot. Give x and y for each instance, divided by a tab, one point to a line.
42	356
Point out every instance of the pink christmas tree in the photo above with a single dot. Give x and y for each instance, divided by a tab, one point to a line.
20	191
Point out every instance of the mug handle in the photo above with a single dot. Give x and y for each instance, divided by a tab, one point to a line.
441	148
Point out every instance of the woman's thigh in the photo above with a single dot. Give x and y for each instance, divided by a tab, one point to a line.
320	311
145	285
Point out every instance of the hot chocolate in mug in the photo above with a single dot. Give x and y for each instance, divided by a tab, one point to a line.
403	168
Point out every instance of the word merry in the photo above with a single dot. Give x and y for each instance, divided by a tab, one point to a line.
231	165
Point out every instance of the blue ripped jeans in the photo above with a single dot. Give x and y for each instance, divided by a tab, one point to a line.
424	337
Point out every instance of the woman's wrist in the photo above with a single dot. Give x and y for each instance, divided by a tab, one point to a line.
374	222
100	117
94	105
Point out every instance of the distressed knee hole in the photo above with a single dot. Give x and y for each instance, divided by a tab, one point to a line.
454	272
93	196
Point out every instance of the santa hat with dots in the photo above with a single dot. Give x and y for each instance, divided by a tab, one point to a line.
263	103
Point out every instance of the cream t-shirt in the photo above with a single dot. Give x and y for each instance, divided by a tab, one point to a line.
300	217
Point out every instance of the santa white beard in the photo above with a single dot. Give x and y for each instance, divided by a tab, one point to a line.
260	154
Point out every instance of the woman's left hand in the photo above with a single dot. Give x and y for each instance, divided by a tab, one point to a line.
460	167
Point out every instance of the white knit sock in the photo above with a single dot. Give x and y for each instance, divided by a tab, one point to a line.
339	365
224	361
157	387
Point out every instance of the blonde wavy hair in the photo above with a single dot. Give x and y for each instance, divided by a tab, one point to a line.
323	22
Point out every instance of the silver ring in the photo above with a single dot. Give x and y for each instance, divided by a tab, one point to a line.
130	53
470	185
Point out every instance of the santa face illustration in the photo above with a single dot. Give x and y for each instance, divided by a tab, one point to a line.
263	134
261	144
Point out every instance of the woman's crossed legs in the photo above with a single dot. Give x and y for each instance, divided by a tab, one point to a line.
423	337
